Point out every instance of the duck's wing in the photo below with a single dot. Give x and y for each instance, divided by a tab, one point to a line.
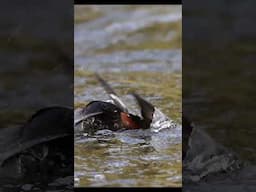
147	110
118	102
78	121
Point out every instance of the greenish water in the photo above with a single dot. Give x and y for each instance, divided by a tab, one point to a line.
134	48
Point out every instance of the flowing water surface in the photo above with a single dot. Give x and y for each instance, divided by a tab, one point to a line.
134	48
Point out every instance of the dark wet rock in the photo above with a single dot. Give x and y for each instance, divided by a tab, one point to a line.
39	151
186	133
206	157
27	187
63	181
209	166
45	125
242	180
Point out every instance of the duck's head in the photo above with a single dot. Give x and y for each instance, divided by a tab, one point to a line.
131	121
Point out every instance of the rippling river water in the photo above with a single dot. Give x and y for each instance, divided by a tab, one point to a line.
135	48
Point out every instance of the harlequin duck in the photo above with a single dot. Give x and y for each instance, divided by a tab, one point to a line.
113	115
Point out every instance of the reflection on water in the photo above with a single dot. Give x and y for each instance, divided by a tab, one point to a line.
135	48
